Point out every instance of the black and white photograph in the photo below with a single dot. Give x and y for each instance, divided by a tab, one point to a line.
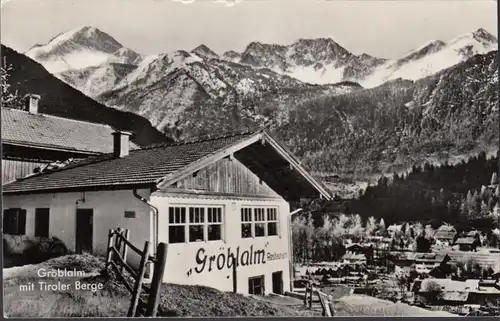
250	158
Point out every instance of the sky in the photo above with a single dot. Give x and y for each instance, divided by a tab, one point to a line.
385	29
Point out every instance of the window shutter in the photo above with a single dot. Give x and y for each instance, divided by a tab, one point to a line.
21	222
7	226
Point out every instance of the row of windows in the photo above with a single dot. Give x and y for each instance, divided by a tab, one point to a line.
259	222
203	223
14	221
199	225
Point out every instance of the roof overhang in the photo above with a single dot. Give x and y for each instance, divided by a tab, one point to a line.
267	159
48	147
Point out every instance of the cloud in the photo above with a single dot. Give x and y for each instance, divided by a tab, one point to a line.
228	3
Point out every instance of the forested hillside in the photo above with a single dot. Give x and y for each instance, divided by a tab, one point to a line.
465	193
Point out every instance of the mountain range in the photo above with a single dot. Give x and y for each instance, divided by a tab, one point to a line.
352	115
60	99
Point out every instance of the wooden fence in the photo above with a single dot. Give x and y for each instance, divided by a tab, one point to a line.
118	246
324	300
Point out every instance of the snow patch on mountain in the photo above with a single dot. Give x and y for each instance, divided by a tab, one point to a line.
75	60
438	56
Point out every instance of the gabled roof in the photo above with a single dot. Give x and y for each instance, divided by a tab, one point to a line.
161	166
43	131
472	233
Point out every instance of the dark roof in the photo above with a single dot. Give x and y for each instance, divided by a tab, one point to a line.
158	166
465	240
51	132
445	235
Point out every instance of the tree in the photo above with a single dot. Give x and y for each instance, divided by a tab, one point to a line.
419	229
494	178
356	227
9	98
381	226
485	211
422	244
371	226
429	232
434	291
299	241
310	236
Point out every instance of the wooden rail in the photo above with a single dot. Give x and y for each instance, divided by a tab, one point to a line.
116	257
324	300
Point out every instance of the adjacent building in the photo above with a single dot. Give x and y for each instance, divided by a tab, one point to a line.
32	140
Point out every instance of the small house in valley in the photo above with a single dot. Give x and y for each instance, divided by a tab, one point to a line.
215	201
467	243
445	234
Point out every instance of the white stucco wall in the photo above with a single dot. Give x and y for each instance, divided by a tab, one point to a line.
182	266
108	207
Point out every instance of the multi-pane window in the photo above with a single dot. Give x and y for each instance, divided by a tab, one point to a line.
176	224
246	222
194	224
214	224
272	221
259	221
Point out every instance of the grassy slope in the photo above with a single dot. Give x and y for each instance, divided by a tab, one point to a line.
113	300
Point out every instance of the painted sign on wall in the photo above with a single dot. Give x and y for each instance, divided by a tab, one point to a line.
225	260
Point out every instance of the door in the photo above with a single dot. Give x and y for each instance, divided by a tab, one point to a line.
278	282
84	230
42	219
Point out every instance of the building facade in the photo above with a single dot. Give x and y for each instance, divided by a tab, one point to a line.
216	202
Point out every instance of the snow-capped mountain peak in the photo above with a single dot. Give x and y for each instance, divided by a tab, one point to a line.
80	48
204	51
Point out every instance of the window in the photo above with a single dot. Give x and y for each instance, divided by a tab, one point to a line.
202	223
259	222
246	222
14	221
177	223
272	221
42	217
129	214
214	225
256	285
196	224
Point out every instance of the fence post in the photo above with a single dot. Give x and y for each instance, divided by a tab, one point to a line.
311	296
118	239
108	251
159	268
138	284
125	247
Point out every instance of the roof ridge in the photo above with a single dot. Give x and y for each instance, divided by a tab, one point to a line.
206	137
59	117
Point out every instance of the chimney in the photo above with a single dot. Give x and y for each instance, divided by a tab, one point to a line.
121	143
31	103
